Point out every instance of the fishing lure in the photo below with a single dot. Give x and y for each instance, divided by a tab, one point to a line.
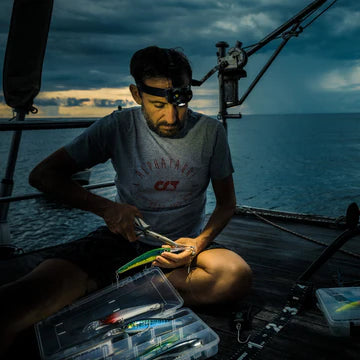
159	348
121	316
143	325
172	351
114	332
147	257
348	306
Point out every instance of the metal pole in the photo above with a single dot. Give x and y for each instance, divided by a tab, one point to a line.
328	253
7	182
266	66
295	19
222	45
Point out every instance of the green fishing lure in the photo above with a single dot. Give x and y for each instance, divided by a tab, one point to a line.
146	258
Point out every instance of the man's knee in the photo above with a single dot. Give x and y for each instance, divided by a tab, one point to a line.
239	278
231	274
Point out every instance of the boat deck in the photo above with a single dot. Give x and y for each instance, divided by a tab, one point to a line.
277	259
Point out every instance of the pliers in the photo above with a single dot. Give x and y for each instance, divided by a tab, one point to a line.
143	228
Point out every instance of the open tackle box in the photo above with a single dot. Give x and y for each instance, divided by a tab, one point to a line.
140	318
341	307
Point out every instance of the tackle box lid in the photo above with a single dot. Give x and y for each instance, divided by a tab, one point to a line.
146	293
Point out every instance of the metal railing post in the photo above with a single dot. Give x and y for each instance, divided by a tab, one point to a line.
7	183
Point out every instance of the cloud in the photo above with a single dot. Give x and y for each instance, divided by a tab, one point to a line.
88	94
112	103
345	21
86	102
5	111
345	79
258	24
47	102
41	101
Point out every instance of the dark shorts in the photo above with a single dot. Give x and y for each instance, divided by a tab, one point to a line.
101	253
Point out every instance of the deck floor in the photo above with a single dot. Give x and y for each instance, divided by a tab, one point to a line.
277	259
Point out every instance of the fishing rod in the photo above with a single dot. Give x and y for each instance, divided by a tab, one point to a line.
230	64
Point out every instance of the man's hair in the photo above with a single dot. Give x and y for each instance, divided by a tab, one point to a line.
155	62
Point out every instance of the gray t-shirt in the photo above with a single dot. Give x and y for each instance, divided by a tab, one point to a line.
165	178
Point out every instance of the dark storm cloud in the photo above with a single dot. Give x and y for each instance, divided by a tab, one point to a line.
74	102
60	101
112	103
71	101
47	102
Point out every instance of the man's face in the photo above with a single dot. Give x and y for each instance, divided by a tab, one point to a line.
164	118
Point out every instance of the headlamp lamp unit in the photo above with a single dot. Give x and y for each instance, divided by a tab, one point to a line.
176	96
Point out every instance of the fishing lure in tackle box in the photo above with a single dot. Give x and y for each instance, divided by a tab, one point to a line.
121	316
171	349
143	325
350	305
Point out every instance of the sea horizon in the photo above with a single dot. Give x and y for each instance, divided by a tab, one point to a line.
32	117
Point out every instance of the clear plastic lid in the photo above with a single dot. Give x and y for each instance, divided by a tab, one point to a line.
86	322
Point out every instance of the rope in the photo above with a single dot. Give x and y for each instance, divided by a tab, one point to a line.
301	235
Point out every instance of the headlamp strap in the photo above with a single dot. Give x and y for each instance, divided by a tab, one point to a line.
178	96
152	90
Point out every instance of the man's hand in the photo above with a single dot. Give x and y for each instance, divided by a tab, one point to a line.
120	219
171	260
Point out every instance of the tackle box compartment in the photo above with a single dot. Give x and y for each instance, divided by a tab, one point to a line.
341	307
92	328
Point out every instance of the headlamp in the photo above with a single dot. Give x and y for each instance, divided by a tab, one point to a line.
176	96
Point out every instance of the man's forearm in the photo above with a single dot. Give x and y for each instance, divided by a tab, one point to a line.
217	221
54	176
63	188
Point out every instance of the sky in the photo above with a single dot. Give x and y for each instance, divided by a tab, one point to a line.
90	43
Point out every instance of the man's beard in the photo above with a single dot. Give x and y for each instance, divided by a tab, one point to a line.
172	132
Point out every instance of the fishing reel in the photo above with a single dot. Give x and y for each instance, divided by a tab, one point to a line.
231	68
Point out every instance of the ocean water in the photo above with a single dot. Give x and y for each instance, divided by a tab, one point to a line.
300	163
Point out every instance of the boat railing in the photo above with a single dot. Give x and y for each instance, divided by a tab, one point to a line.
36	195
286	216
7	183
15	125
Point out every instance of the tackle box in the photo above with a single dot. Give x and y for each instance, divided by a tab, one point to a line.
341	307
103	324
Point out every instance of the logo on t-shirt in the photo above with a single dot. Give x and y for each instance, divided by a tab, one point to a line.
166	185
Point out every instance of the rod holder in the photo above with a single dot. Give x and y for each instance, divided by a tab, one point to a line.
352	218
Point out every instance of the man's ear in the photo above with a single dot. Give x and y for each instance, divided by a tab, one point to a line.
135	94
